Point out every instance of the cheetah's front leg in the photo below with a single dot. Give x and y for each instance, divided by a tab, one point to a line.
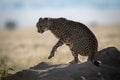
58	44
76	60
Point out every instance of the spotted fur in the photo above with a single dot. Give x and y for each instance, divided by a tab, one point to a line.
76	35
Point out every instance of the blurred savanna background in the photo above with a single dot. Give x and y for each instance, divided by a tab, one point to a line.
22	47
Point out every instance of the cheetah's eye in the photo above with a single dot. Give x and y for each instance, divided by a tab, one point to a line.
40	26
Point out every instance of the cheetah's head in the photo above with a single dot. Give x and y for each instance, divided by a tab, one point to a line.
43	24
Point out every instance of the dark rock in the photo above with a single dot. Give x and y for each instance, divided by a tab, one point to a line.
109	69
109	56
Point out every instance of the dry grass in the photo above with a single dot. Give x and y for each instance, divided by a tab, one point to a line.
23	48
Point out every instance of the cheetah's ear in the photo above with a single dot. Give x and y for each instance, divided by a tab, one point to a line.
40	19
47	18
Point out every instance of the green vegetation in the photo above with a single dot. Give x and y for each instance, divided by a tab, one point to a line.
5	72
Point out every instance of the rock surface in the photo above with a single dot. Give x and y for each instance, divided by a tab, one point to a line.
109	69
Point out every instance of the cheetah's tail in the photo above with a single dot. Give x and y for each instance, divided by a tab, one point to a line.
91	58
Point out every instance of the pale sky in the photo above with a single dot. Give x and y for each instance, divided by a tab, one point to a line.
27	12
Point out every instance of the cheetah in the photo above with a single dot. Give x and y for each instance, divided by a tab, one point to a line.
77	36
